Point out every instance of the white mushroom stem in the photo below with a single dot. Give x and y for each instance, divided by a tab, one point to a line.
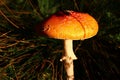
68	58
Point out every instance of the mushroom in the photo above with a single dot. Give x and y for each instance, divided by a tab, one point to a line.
69	25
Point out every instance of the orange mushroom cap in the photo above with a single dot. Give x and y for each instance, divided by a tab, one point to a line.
69	25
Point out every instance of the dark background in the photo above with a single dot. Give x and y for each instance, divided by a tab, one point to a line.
26	56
